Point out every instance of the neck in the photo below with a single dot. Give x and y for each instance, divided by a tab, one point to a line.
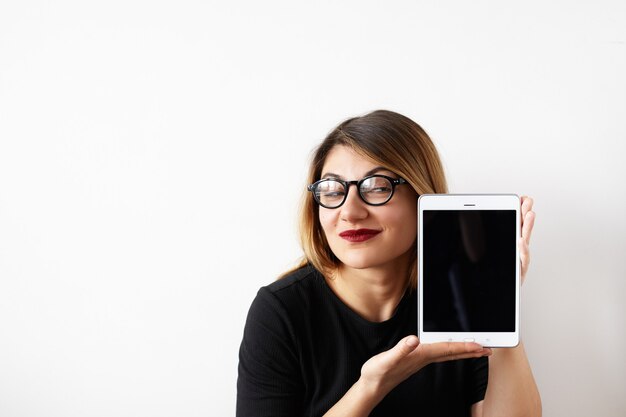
373	293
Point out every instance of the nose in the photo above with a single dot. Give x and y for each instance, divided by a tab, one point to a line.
353	209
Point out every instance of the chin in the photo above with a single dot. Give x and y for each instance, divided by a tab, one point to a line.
361	261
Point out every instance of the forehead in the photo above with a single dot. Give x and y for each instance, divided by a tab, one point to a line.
344	161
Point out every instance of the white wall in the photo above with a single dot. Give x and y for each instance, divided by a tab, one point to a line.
135	137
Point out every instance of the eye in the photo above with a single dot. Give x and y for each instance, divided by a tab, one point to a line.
328	194
330	190
376	185
381	189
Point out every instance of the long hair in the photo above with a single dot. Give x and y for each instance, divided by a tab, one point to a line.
392	141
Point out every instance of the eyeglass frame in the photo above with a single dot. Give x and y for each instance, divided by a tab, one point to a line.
346	184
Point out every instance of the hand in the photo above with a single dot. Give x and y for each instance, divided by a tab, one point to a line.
386	370
528	220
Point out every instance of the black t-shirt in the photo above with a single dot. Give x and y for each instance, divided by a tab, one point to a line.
303	348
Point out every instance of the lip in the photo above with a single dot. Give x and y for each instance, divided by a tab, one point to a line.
358	235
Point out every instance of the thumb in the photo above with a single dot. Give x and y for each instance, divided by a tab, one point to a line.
408	345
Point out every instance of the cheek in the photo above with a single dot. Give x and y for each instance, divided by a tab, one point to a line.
327	219
404	221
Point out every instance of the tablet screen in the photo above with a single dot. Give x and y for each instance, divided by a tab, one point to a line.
469	270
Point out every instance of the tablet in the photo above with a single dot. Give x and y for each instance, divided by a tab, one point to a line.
468	268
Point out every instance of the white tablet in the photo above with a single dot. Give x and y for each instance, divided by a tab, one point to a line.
468	268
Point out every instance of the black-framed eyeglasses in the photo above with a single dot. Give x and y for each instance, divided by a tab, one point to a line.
374	190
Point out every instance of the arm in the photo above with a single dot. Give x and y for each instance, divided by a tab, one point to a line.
511	390
269	382
386	370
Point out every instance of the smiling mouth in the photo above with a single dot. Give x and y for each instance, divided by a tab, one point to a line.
360	235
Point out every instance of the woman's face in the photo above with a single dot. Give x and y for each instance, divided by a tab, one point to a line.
393	225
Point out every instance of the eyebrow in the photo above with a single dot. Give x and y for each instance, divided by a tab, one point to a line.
368	173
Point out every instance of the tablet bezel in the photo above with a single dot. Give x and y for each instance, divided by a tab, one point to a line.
469	202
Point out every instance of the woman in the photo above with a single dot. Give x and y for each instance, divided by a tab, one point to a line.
336	336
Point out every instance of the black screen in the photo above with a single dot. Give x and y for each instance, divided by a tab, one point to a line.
469	270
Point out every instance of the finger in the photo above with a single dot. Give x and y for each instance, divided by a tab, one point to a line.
407	345
527	226
392	357
476	354
443	350
527	205
524	254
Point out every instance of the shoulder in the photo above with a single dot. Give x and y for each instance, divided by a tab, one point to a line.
279	316
269	360
302	278
288	296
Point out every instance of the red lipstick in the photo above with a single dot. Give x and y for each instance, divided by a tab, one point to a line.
358	235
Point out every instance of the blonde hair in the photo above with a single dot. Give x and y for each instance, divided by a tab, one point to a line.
392	141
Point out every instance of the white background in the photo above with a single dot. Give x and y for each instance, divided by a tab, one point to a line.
152	154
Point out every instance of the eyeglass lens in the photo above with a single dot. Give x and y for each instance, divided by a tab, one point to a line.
374	190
